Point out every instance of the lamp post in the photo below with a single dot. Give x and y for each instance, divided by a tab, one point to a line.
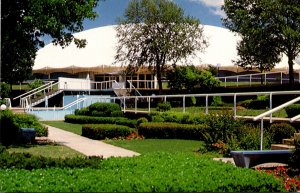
3	107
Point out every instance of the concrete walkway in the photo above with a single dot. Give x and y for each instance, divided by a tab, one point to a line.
87	146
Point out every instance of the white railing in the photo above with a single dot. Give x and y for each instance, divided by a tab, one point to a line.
24	101
261	117
133	87
48	85
252	78
7	102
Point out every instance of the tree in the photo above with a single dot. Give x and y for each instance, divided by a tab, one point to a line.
273	21
155	33
25	22
189	77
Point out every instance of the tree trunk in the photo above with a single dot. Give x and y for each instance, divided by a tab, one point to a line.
158	72
291	71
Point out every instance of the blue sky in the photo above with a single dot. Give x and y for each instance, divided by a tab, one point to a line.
207	11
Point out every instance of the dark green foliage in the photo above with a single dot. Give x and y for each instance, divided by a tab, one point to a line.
29	162
177	117
35	84
217	101
100	120
102	131
30	121
293	110
105	109
250	138
222	128
4	90
262	102
142	120
155	172
84	111
189	77
9	132
164	106
279	131
295	159
117	114
171	131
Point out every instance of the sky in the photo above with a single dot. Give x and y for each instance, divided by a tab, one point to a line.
207	11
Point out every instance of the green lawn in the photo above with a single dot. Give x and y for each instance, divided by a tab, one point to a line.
47	150
74	128
155	145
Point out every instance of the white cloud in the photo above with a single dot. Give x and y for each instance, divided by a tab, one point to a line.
214	5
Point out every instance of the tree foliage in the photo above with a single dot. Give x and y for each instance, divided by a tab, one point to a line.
25	22
267	27
155	33
189	77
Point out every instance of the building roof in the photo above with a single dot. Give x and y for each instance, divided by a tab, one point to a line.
101	49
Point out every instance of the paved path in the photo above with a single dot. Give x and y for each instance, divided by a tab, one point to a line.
87	146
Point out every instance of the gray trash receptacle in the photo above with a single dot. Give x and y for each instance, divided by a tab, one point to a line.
28	135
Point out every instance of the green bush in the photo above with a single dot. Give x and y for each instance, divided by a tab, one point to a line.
293	110
102	131
261	102
35	84
279	131
104	109
217	101
29	162
165	106
177	117
30	121
100	120
117	114
171	130
142	120
4	90
155	172
295	159
9	132
84	111
250	138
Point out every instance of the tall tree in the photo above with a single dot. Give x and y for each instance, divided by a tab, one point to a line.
25	22
155	33
268	26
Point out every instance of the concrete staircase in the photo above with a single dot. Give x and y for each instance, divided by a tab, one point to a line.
286	143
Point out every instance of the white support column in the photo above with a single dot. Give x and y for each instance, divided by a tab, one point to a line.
124	105
261	133
135	105
184	103
206	104
149	104
265	78
225	82
271	101
281	75
250	80
234	108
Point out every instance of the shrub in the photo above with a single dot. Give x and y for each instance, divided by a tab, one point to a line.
261	102
293	110
105	109
155	172
9	132
83	111
177	117
35	84
30	121
279	131
100	120
4	90
165	106
142	120
30	162
295	159
217	101
117	114
250	138
171	130
102	131
221	128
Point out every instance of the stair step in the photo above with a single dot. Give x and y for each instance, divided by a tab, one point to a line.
296	135
288	141
281	146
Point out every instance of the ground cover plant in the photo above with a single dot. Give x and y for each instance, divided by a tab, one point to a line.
155	172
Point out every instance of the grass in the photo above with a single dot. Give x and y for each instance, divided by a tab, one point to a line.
155	145
74	128
46	150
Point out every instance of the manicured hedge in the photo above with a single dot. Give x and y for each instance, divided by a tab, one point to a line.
155	172
102	131
30	162
9	132
171	130
293	110
177	117
100	120
101	110
279	131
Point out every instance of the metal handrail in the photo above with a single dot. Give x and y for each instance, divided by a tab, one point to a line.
41	90
45	85
73	103
261	117
254	74
132	86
